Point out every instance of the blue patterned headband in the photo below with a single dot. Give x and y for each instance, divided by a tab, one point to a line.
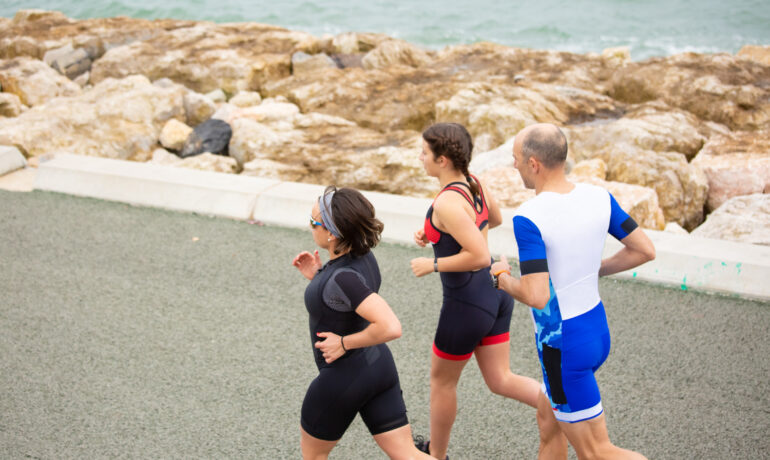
325	203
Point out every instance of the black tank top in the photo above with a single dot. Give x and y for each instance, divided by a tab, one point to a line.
327	306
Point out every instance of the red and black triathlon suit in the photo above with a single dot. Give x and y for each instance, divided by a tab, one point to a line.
473	312
363	380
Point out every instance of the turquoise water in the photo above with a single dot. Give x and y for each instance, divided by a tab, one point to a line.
649	28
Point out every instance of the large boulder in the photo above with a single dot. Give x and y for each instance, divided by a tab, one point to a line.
33	81
650	150
115	119
274	139
34	33
735	164
720	87
655	127
745	219
756	53
395	52
208	56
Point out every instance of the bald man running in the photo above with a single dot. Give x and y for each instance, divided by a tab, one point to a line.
560	234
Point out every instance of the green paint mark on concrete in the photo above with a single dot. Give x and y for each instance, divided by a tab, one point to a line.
634	274
708	265
684	283
724	264
738	266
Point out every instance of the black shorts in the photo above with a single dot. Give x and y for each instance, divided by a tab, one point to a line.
464	325
365	383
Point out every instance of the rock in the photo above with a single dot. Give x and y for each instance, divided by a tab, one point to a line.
303	63
395	52
682	188
174	134
501	157
204	162
115	119
11	159
68	61
345	61
617	56
164	157
33	81
83	79
269	169
647	126
756	53
594	167
356	42
10	105
498	112
246	99
198	108
745	219
38	15
735	164
719	87
673	227
210	136
207	56
319	148
217	95
505	184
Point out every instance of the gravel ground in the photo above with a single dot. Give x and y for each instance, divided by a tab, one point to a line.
130	332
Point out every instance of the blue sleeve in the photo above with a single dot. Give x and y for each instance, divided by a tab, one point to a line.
532	258
621	224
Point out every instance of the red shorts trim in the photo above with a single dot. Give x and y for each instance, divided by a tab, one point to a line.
451	357
495	339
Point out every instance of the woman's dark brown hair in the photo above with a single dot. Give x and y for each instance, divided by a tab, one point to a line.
454	142
354	217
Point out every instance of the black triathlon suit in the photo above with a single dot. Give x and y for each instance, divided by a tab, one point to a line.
473	313
363	380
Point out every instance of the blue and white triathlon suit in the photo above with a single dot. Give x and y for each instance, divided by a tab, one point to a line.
564	235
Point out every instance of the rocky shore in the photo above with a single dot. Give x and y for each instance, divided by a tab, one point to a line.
683	142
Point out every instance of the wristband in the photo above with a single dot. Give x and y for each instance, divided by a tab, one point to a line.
342	342
496	277
435	264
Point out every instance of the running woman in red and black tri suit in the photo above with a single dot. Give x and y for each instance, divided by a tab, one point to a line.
475	317
349	325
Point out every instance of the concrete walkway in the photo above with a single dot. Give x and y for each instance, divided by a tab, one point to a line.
131	332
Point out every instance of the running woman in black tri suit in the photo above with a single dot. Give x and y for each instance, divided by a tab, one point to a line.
349	325
475	317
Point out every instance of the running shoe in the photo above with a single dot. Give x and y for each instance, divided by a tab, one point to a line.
423	446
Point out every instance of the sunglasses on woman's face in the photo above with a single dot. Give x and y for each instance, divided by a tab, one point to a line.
315	223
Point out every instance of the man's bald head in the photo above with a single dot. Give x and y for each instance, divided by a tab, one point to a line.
545	142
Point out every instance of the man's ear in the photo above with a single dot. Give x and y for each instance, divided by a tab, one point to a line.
533	164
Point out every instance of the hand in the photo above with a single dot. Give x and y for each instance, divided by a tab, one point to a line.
331	346
307	264
502	264
420	238
421	266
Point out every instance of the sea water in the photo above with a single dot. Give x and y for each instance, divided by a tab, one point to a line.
648	27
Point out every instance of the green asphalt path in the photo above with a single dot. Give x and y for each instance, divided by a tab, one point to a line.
129	332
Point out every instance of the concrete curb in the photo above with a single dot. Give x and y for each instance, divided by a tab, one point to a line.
682	261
